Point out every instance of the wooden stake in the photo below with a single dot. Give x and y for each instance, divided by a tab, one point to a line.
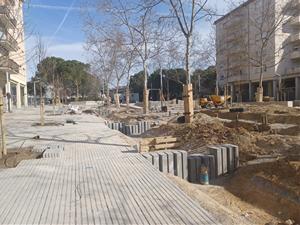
3	136
188	103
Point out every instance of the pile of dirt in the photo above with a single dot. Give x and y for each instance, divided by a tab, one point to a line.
206	130
273	186
15	156
269	108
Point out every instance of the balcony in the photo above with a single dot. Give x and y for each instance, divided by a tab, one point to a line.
294	70
294	38
295	21
8	65
295	55
236	66
234	37
6	17
235	52
8	42
235	22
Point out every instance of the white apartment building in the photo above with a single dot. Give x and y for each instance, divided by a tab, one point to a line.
13	79
239	38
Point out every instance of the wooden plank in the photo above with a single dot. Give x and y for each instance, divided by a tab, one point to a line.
163	140
166	146
147	141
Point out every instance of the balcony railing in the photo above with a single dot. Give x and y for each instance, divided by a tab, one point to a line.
6	17
8	42
295	54
293	38
294	70
235	52
295	21
8	65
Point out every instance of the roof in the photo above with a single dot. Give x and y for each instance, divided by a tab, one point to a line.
234	10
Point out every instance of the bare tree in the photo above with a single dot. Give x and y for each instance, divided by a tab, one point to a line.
130	59
265	22
139	23
187	14
270	18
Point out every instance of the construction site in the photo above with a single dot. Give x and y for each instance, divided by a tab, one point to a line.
181	112
239	167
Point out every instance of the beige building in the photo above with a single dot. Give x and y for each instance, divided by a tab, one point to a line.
13	79
260	37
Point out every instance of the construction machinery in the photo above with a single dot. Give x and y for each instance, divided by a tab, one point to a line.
213	101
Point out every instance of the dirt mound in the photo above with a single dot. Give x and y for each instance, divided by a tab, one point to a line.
206	130
273	186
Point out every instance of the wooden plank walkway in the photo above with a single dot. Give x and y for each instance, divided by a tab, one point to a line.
94	184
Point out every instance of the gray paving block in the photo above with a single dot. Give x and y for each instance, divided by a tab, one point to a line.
224	159
127	130
211	167
192	167
142	127
170	158
178	164
217	153
131	129
184	165
230	158
155	159
163	162
148	157
236	154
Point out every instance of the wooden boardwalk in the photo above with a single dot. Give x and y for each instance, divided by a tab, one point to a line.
94	184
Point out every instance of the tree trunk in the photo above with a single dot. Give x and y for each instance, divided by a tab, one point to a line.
188	88
77	91
260	90
217	86
127	96
187	60
108	97
117	97
146	92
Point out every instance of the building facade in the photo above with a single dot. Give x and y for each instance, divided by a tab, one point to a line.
13	81
260	40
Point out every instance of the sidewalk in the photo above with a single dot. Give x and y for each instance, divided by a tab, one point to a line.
98	179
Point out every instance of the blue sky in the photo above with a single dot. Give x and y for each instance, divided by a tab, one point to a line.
60	29
60	24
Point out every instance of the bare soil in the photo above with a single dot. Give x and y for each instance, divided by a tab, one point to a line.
266	189
15	156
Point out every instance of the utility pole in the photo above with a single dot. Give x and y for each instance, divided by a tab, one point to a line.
3	137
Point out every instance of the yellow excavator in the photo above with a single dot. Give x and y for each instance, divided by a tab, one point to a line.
213	101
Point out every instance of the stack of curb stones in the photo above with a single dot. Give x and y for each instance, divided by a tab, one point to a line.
136	129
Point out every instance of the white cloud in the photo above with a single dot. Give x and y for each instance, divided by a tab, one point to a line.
52	7
68	51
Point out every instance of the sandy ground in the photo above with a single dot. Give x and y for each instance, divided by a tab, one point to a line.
266	189
225	206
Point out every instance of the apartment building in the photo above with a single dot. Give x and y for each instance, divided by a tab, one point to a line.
260	40
13	79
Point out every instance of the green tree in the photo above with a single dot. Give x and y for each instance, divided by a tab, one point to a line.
207	81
